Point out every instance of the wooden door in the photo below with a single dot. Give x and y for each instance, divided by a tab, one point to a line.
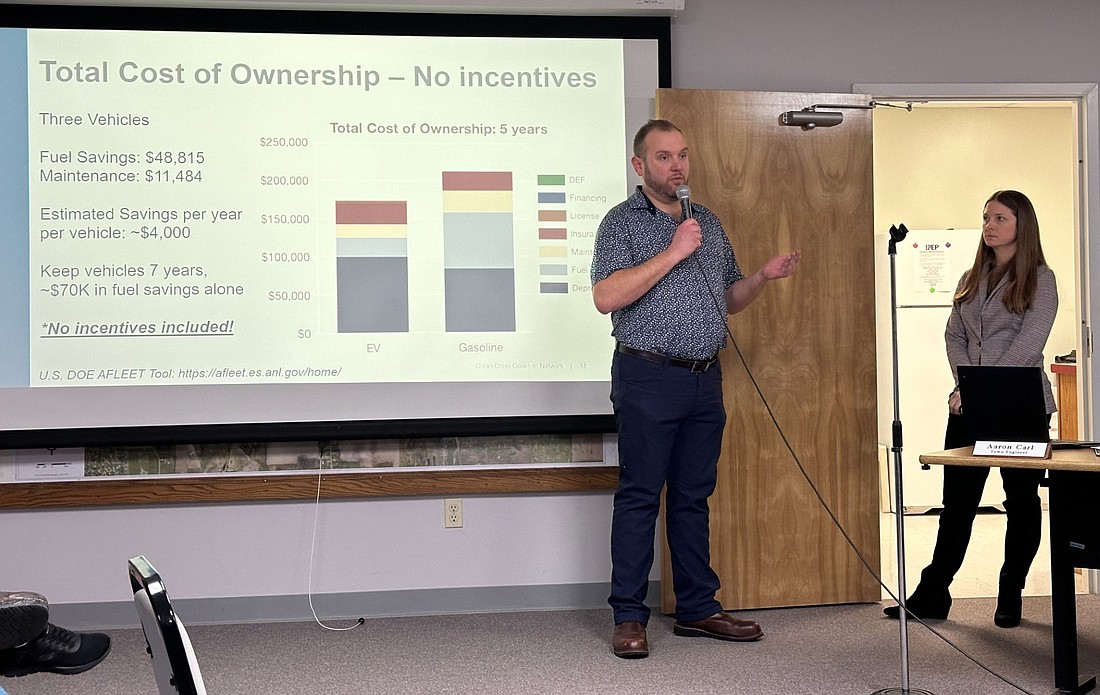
809	342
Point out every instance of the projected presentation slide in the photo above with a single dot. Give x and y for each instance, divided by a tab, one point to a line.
261	208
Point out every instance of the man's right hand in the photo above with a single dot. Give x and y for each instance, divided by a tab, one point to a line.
687	237
624	287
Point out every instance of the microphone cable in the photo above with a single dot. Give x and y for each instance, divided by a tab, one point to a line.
313	547
821	499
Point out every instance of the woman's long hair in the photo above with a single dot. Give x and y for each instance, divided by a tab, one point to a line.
1022	273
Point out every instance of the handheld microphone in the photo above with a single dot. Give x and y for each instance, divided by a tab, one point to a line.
683	194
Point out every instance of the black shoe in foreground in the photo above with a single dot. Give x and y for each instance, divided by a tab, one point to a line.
23	616
55	650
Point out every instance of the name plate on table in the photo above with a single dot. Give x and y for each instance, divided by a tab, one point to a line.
1027	450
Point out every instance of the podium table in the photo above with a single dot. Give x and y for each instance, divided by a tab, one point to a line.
1073	478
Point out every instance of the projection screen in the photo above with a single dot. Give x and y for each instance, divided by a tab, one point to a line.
241	223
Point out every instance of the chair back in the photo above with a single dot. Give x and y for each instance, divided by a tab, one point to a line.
174	664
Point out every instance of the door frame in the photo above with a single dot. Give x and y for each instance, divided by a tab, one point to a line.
1086	96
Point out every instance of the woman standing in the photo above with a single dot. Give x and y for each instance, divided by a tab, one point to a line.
1002	315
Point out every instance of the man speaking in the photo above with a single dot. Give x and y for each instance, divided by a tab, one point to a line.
665	270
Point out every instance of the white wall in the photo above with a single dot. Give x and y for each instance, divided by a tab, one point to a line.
374	545
801	45
826	45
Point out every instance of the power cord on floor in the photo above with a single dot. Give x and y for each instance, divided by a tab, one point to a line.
824	504
313	547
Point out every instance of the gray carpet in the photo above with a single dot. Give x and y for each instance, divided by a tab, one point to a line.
836	649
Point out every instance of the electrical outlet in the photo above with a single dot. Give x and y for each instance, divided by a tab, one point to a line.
452	513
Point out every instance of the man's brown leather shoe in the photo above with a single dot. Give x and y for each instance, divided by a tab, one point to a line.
722	626
628	641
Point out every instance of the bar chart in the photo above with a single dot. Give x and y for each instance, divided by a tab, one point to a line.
372	266
478	252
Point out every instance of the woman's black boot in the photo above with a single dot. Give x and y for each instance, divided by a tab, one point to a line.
1009	608
924	604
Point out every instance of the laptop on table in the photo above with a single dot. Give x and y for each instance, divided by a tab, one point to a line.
1004	404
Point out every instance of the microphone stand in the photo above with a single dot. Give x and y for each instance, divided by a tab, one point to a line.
897	234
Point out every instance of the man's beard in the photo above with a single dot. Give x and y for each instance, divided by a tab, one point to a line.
665	190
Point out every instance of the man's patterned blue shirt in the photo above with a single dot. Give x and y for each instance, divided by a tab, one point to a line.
684	314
